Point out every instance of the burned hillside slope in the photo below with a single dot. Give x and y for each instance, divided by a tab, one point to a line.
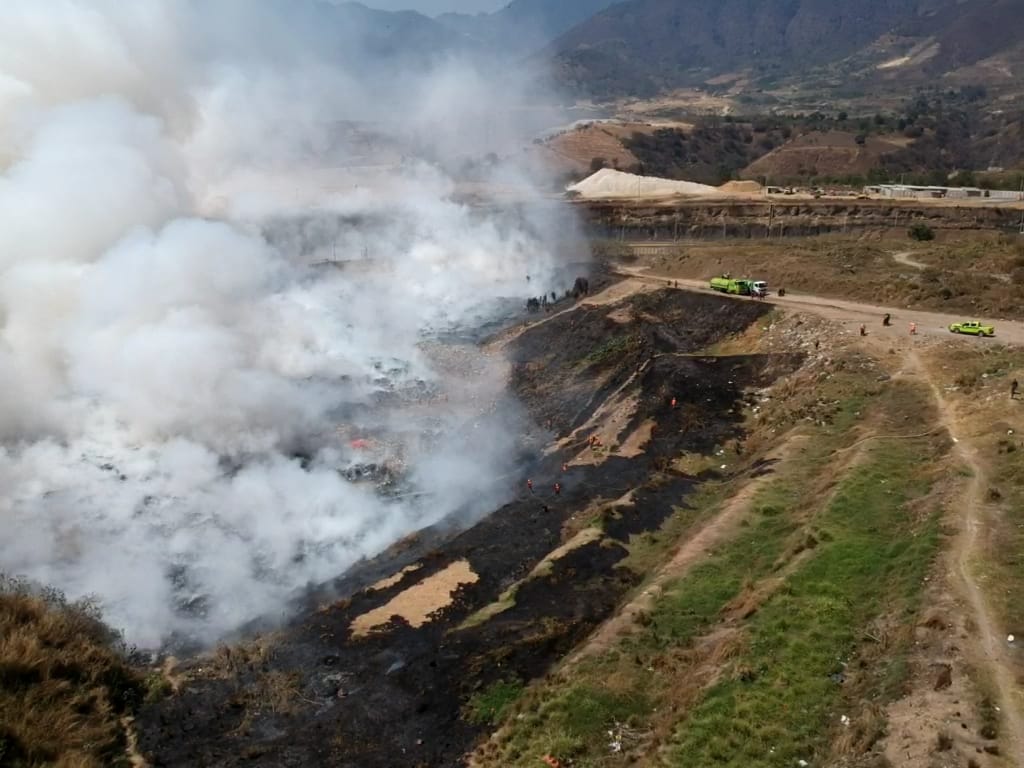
503	601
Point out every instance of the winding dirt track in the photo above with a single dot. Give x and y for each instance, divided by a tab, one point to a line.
989	647
906	259
853	313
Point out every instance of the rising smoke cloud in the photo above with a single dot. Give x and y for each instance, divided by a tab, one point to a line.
167	349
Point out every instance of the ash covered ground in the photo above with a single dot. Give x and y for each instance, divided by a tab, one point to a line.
322	691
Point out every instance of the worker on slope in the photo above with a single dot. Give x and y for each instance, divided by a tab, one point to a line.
1014	389
558	489
863	330
887	320
913	329
529	484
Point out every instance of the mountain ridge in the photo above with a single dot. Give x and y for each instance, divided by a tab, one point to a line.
642	47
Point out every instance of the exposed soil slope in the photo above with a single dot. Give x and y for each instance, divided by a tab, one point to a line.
403	695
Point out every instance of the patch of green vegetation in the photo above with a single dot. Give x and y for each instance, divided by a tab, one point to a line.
506	600
571	720
157	687
874	555
637	682
490	705
921	233
609	352
573	724
692	605
648	550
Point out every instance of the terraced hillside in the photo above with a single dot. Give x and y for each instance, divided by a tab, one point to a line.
773	541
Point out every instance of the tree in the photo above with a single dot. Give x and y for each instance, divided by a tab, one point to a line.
841	117
921	233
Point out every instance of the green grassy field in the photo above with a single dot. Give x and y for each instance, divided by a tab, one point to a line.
739	661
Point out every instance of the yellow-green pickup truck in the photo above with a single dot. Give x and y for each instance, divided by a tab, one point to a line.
973	328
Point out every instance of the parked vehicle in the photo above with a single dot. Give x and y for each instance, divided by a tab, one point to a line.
973	328
740	287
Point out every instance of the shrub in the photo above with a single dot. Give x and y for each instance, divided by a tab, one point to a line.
67	681
921	233
489	706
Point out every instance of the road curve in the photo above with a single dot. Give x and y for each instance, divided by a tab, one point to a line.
850	312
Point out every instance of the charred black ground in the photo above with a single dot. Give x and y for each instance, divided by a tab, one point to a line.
312	694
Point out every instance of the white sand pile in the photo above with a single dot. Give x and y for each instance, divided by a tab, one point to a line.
611	183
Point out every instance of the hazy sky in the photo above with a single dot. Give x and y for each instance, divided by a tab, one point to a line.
433	7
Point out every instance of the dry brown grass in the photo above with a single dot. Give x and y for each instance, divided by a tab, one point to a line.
976	275
65	683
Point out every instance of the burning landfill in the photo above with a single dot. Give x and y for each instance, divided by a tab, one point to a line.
198	422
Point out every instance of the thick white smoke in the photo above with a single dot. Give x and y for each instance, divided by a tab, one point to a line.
167	349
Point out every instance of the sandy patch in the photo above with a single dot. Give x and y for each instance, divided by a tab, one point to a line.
633	445
622	315
508	598
390	581
416	604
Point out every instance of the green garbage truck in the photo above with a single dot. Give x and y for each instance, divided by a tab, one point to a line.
740	287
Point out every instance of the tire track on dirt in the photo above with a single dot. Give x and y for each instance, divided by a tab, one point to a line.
989	640
689	553
848	312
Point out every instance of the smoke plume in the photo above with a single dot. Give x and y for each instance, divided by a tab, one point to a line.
189	400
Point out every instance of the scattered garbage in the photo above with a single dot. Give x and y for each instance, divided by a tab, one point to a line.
615	745
844	720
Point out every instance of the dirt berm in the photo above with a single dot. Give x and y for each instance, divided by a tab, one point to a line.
682	219
317	692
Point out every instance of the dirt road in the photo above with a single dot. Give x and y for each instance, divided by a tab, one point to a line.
988	642
989	646
854	314
905	258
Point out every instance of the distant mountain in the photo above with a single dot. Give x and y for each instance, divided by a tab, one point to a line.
641	47
360	31
523	26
